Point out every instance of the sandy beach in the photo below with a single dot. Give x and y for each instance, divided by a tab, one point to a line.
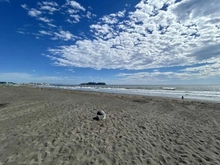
53	127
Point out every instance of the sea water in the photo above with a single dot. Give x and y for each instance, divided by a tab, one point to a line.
196	92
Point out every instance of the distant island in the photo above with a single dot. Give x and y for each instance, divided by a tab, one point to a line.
93	83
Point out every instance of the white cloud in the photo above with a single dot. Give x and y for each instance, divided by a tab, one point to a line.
51	25
156	34
43	32
71	21
44	19
109	20
89	15
203	72
112	18
56	35
75	17
31	12
50	7
101	30
34	12
37	13
63	35
75	5
24	6
21	32
75	12
47	3
71	70
72	11
20	77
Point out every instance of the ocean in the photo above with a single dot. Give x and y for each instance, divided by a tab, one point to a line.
195	92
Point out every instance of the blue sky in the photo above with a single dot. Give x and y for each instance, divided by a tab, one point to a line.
117	42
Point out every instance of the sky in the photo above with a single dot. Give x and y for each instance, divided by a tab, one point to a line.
116	42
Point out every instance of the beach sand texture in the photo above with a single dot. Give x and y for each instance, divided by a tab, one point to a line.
52	127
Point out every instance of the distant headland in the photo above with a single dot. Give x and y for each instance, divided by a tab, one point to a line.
93	83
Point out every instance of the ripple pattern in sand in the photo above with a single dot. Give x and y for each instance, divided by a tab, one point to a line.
57	127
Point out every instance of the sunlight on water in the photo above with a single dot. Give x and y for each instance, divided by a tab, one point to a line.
198	92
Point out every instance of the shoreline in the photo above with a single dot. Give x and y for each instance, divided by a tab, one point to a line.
56	126
127	94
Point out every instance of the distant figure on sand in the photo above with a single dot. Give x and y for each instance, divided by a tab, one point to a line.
182	97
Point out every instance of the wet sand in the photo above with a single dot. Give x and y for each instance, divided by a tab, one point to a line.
52	127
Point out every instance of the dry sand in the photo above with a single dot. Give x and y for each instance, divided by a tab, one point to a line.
56	127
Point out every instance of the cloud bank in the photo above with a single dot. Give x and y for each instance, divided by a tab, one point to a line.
156	34
20	77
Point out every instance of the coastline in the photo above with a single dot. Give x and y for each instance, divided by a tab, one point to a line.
138	94
56	126
189	92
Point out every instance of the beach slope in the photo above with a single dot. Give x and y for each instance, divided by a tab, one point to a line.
51	126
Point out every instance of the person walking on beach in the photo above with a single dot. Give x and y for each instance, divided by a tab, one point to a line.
182	97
